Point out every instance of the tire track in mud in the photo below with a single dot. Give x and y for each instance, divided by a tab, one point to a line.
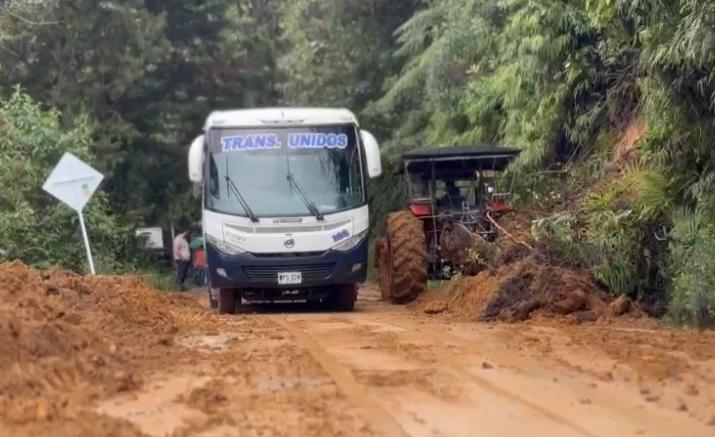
445	361
577	402
631	393
382	422
439	390
247	377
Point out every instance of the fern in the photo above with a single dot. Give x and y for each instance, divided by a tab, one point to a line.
693	269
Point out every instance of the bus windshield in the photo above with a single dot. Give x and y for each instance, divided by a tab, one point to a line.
286	171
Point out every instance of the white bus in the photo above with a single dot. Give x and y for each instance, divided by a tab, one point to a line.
284	195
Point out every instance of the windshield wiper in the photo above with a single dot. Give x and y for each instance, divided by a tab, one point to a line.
304	197
231	186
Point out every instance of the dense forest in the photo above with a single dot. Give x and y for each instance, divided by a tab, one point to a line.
612	103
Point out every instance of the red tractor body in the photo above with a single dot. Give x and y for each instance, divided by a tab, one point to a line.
449	193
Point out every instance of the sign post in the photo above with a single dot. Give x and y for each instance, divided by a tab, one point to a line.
73	183
86	243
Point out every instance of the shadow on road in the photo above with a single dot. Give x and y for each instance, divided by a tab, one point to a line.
368	296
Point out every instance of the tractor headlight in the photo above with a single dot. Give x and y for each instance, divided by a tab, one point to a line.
224	247
351	242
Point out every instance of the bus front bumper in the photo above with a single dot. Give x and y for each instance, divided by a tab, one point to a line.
261	271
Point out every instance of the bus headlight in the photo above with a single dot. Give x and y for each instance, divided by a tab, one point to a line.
224	247
351	242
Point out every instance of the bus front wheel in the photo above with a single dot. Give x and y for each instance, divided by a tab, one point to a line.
228	299
344	297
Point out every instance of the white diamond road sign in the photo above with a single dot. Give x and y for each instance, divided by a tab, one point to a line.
73	182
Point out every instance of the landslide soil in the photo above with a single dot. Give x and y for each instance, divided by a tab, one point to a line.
518	284
83	356
528	289
68	340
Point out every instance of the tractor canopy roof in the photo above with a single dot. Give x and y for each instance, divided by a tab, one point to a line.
458	161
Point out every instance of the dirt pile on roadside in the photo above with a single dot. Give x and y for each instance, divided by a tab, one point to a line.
516	285
526	289
66	339
462	297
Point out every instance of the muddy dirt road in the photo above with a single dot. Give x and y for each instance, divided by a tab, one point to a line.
386	371
390	371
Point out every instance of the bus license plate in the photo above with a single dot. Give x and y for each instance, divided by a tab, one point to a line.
290	278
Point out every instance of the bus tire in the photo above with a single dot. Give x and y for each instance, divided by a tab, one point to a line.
344	297
227	300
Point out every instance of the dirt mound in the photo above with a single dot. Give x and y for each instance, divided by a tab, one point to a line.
517	285
526	289
462	297
529	286
66	339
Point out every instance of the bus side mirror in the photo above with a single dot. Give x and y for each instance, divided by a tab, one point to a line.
372	154
196	160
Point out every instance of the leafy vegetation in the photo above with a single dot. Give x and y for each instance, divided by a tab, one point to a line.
693	272
565	81
146	73
39	230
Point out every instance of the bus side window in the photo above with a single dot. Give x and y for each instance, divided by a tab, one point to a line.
213	180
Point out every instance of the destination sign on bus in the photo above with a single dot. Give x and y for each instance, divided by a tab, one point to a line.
270	141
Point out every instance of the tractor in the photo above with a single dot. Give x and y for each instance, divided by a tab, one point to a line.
452	196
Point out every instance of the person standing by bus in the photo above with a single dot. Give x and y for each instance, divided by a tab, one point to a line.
182	257
199	257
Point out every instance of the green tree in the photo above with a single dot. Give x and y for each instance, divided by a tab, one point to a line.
338	51
147	72
38	229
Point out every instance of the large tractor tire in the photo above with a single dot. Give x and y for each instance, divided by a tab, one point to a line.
403	258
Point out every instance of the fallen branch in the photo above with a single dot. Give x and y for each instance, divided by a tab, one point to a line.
505	232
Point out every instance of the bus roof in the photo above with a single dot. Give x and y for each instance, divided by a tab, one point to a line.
262	117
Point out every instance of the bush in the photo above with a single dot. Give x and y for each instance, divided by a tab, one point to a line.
617	219
609	230
693	269
38	229
556	239
612	242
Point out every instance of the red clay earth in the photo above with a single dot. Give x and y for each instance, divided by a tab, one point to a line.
95	356
66	340
517	286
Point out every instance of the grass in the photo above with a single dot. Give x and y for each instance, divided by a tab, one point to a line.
436	284
162	279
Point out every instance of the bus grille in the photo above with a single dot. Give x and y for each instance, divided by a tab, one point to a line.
310	272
